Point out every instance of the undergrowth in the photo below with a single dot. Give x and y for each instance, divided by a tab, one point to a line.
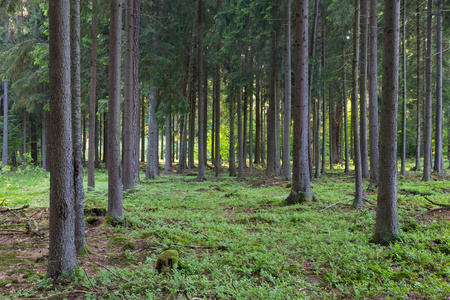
236	240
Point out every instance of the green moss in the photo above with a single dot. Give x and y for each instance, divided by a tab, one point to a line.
167	261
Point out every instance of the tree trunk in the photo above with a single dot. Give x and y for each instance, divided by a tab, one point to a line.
418	41
250	126
142	129
168	162
258	122
271	115
217	135
344	96
427	153
93	97
277	106
152	147
438	157
61	255
5	111
135	100
44	140
403	34
80	241
316	127
25	117
245	120
232	153
263	132
324	108
301	184
387	227
115	200
201	99
357	202
373	95
241	158
287	96
363	91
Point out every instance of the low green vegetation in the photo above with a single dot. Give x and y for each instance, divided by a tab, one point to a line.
236	240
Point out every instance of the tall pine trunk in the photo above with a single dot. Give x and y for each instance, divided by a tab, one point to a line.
418	42
363	91
438	158
403	34
115	194
232	153
287	96
387	227
241	158
5	110
61	252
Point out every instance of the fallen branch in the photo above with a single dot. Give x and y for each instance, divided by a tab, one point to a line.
334	204
57	295
447	206
6	209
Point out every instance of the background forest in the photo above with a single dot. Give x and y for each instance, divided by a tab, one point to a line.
279	96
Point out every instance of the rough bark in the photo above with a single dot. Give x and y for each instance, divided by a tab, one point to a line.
168	161
5	110
427	134
438	157
271	114
357	202
387	227
287	96
115	194
44	140
324	109
201	99
301	184
344	96
80	241
258	122
418	42
363	91
403	34
241	159
373	95
232	153
152	148
61	255
217	120
135	100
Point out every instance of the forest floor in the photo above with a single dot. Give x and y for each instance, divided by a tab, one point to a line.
236	240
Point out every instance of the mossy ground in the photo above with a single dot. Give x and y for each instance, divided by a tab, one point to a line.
236	240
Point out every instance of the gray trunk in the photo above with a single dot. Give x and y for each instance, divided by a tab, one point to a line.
80	241
152	147
232	153
427	135
363	91
373	95
287	96
438	158
344	96
115	194
403	34
357	202
61	253
387	227
241	159
5	111
168	161
93	98
201	99
217	126
418	41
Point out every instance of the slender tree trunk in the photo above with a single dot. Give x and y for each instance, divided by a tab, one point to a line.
192	100
301	184
240	137
152	146
277	106
217	136
344	96
115	200
324	107
201	99
287	96
105	139
357	202
418	41
232	153
363	91
168	164
258	122
373	95
44	140
271	115
427	135
245	121
84	139
387	227
61	254
93	97
142	129
5	110
438	157
403	34
25	117
316	127
263	133
80	241
135	100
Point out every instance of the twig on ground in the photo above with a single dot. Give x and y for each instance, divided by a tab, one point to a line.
106	268
446	206
428	211
334	204
57	295
231	279
13	230
6	209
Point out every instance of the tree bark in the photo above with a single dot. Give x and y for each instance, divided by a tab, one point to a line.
301	184
418	41
387	227
241	158
152	149
115	194
258	122
80	241
344	96
168	161
357	202
217	126
363	91
135	100
287	96
5	110
373	95
438	157
61	255
403	34
427	132
232	153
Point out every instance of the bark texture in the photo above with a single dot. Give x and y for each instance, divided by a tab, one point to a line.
287	96
61	255
438	157
387	227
